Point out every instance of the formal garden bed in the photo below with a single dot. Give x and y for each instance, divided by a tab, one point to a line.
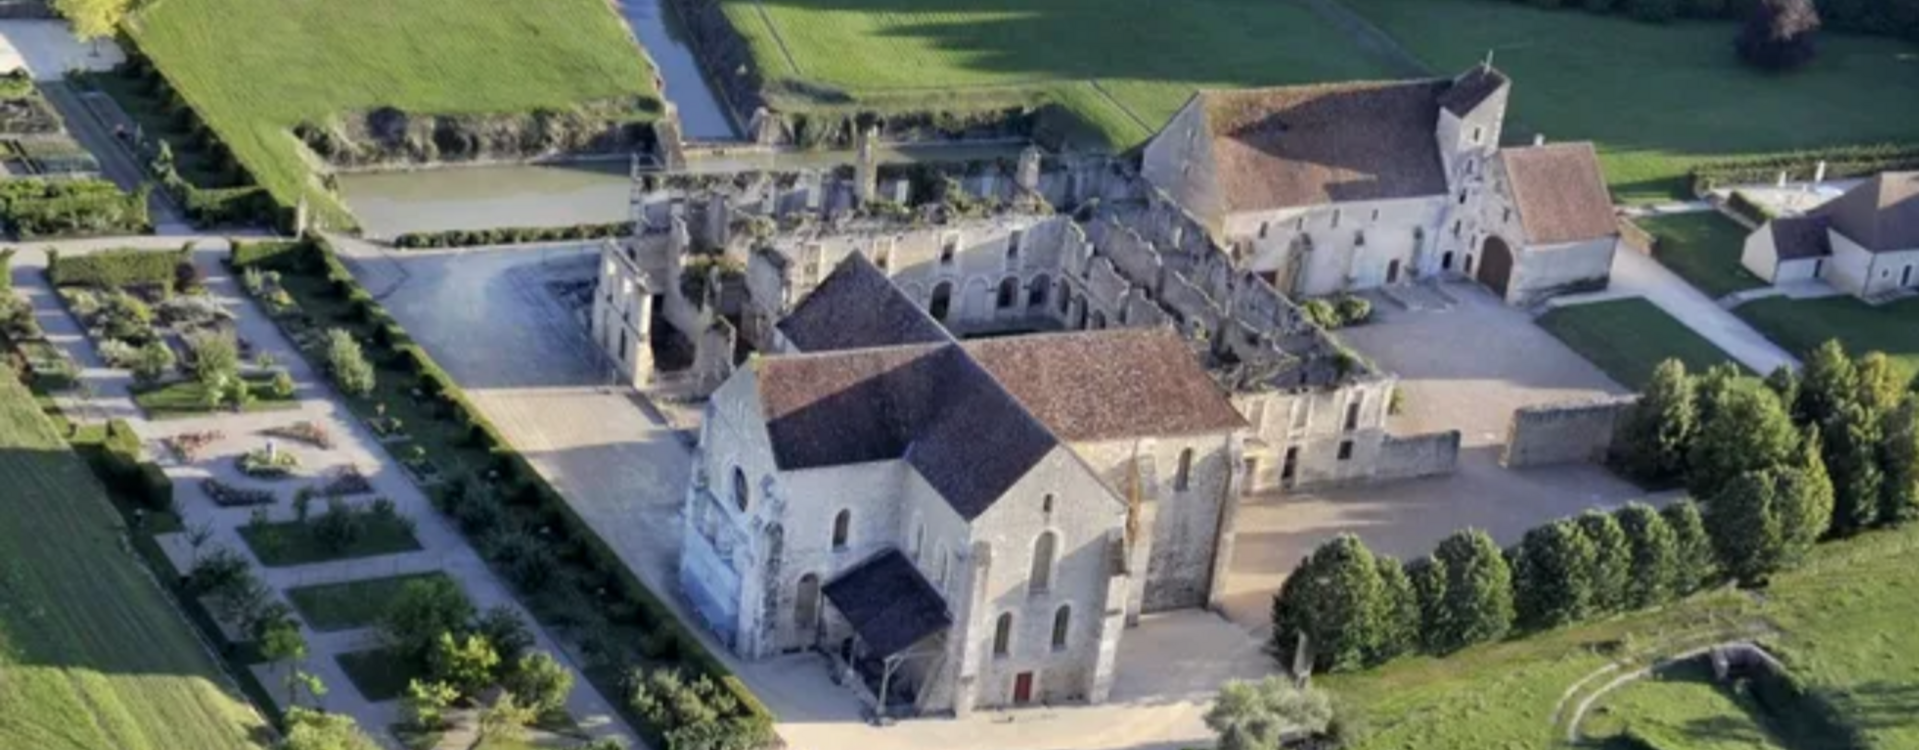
188	398
37	208
356	604
567	576
341	532
380	674
229	496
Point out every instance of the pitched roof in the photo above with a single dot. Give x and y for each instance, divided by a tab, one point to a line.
1881	214
1103	385
888	603
1560	193
1798	237
929	404
1472	89
857	307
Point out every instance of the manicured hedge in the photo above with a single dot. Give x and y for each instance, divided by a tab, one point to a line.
116	268
246	203
628	601
36	208
1841	162
6	271
244	254
511	235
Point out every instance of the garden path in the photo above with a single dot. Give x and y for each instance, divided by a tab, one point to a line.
442	547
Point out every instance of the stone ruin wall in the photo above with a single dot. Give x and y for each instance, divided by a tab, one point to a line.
1561	433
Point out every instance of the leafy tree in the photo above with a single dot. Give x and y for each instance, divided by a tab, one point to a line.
1784	383
1747	431
1259	715
1336	600
317	730
93	19
1852	438
1803	502
426	703
282	643
1552	576
425	610
469	664
1880	389
1654	555
1695	564
1399	616
1827	382
540	682
1478	603
152	362
350	368
1612	560
282	385
506	631
216	360
1779	35
1899	457
1745	528
694	714
506	719
1429	585
1659	429
1711	386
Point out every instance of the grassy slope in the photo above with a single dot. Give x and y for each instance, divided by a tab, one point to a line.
1681	708
1656	97
1628	338
254	68
92	656
1148	55
1704	248
1798	326
1845	622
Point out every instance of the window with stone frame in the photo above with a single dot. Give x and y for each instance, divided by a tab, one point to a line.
1040	579
1008	293
842	529
1184	478
1062	625
741	493
1003	635
806	602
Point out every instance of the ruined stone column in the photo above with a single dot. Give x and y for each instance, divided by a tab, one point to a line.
1028	173
866	167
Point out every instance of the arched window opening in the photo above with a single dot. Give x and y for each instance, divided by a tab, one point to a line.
806	602
1008	292
1185	476
1044	550
1003	635
1037	291
1062	622
842	527
740	490
942	300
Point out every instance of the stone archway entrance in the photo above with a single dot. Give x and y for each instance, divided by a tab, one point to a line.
1496	264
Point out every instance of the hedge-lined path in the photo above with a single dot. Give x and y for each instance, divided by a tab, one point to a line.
90	118
443	548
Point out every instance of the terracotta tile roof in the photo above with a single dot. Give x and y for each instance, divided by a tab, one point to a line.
1798	237
928	404
1314	145
1472	89
888	603
857	307
1103	385
1560	193
1881	214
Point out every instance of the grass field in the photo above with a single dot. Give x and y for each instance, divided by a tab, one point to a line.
1147	57
255	68
379	674
1627	338
297	543
92	655
1841	623
1658	97
354	604
1799	325
1703	248
1680	708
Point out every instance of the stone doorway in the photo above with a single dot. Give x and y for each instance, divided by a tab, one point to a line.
1496	265
1392	272
1023	688
1446	261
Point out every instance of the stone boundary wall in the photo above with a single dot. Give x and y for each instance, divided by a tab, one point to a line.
1415	456
1566	432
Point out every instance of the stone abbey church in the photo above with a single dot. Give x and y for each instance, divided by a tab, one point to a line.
970	448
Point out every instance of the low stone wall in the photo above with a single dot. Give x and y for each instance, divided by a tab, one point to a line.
1415	456
1568	432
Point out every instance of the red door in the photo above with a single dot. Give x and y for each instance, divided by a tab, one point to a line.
1023	688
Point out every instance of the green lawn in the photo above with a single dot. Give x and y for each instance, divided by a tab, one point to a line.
1704	248
1680	708
379	674
1843	626
354	604
92	655
1659	97
1628	338
188	398
1147	57
295	543
255	68
1799	325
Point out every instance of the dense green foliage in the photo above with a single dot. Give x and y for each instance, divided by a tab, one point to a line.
349	366
1744	429
1654	437
1654	571
92	654
1336	600
1477	605
35	208
117	269
1259	715
1611	571
1553	576
511	235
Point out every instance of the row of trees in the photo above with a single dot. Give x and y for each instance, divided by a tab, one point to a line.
1781	464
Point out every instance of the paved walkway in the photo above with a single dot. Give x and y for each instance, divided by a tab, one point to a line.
443	549
1636	275
91	122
